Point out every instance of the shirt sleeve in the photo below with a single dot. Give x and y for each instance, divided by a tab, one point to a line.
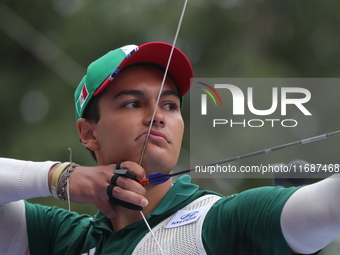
247	223
23	179
19	180
52	230
13	231
310	218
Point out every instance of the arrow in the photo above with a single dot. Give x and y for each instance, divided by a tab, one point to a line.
158	178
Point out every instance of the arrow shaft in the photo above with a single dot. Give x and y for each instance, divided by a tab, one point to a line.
265	151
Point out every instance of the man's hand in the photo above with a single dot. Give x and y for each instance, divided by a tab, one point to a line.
88	185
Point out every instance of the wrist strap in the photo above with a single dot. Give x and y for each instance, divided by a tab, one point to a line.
63	181
55	178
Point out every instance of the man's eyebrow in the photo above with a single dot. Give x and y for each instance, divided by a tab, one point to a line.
133	92
170	93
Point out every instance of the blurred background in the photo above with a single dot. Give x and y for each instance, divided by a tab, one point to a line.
46	47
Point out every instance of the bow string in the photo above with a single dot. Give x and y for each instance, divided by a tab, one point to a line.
163	81
155	110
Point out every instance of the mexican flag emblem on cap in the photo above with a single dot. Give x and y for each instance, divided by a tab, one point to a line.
82	98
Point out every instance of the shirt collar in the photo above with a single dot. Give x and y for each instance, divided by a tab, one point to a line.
180	191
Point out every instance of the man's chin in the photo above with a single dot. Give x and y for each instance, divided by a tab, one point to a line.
157	165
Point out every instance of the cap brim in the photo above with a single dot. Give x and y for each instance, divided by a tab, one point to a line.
180	67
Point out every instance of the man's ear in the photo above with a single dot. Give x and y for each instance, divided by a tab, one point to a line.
85	130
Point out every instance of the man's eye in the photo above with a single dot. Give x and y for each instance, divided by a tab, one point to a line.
171	106
133	104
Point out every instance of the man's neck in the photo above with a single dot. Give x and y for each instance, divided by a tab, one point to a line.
154	195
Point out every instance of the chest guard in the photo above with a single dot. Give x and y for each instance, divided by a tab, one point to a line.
181	233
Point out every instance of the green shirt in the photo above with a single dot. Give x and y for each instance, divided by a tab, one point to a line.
244	223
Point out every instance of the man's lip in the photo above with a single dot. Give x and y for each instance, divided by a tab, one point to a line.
155	133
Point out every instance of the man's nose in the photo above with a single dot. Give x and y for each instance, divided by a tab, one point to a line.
158	117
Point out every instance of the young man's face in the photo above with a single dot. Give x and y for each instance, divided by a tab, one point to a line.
126	108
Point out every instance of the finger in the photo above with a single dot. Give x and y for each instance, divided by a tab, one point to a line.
131	185
134	168
118	166
129	196
125	173
113	180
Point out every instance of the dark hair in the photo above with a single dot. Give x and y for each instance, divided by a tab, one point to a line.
92	113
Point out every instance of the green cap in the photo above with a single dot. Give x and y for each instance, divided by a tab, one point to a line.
101	72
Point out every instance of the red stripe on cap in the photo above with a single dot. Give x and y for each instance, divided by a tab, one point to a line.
180	67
